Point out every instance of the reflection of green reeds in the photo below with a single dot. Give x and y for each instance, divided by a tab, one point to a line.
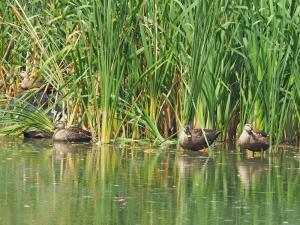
137	184
140	69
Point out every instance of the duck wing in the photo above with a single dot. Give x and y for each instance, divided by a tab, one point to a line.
75	133
80	131
260	133
36	134
257	143
211	135
199	132
258	140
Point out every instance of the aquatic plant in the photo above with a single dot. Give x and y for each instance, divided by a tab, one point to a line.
140	69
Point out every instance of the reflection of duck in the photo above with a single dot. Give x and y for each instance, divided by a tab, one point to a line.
41	143
63	148
189	162
297	156
70	134
251	169
195	139
187	165
253	140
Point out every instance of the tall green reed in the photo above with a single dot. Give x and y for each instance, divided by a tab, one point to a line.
140	69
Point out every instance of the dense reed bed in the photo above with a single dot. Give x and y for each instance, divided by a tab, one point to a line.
140	69
179	187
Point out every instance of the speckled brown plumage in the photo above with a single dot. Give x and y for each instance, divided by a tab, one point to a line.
36	134
253	140
195	140
72	134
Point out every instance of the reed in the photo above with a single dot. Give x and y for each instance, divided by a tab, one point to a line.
139	69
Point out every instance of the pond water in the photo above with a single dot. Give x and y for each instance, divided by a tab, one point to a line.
46	183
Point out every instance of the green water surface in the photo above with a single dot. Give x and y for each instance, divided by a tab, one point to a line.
44	183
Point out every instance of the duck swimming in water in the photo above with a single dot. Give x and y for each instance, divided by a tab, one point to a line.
71	134
253	140
36	134
195	139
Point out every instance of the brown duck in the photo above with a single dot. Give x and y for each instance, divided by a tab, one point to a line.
36	134
72	134
195	140
253	140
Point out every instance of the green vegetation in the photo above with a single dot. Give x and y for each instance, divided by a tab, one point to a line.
139	69
122	184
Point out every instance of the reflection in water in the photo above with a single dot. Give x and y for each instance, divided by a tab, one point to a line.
191	161
38	142
252	169
61	149
89	184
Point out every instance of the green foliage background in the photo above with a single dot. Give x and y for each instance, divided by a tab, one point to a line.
140	69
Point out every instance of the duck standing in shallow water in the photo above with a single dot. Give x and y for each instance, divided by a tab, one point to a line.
72	134
195	140
253	140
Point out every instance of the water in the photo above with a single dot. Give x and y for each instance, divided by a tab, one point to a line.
45	183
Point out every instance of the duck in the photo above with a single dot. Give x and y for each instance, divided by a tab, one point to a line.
36	134
193	139
253	140
71	134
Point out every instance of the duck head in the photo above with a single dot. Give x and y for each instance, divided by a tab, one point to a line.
59	121
187	130
248	128
59	125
